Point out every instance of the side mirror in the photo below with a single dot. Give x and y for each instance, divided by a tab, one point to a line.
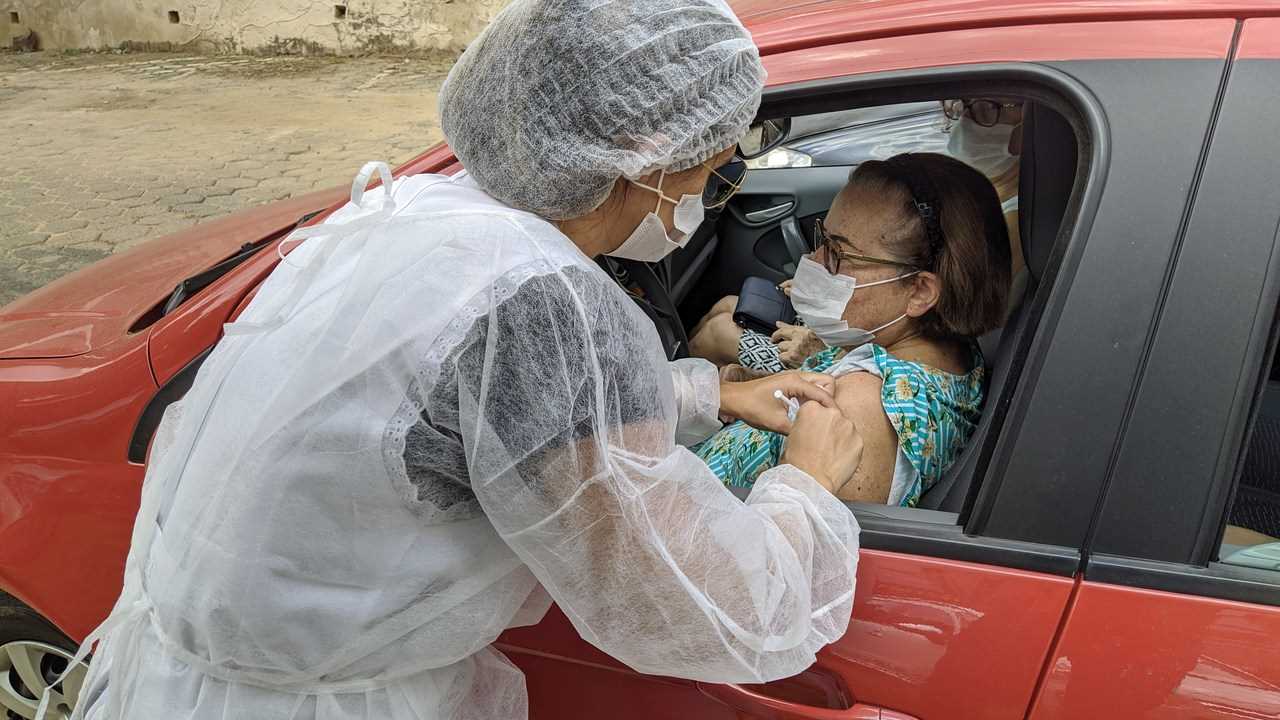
763	137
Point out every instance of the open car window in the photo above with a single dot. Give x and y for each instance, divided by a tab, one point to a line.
770	224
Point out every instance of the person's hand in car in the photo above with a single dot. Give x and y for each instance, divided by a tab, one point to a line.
795	344
755	402
824	443
738	373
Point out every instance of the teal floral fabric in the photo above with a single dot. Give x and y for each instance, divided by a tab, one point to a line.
933	412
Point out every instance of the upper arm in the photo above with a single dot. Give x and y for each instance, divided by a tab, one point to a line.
858	396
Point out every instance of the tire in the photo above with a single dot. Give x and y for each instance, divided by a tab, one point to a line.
33	652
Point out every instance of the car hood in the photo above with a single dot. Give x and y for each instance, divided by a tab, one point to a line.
102	302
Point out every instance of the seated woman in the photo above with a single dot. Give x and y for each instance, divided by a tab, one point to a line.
984	133
915	247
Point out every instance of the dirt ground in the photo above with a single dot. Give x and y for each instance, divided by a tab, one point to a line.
102	152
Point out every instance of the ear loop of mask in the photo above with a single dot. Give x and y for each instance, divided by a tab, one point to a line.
658	190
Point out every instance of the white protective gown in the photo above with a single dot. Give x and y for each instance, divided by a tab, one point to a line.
461	419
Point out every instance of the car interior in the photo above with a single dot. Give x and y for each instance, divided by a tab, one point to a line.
769	224
1252	536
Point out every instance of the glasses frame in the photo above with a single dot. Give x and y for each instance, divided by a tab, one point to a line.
734	188
831	257
966	106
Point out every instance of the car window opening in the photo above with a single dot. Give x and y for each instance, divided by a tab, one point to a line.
1252	534
807	168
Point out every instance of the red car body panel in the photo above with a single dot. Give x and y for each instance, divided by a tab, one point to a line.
1167	39
1132	653
929	638
1259	40
98	304
779	27
975	636
67	496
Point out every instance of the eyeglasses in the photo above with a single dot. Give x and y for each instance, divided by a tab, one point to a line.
831	257
986	113
724	183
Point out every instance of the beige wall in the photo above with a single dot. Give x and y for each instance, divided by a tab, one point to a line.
294	26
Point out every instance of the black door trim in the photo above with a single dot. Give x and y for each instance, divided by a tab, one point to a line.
947	540
1217	580
153	413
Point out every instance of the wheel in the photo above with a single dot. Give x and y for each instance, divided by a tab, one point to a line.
33	653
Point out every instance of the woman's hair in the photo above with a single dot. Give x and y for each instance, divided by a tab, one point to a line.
951	225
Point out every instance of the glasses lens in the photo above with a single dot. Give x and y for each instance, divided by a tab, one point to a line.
953	109
985	112
723	184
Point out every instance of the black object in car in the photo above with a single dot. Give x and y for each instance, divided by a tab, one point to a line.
761	306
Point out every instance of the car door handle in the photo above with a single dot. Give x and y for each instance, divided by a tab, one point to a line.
755	705
793	238
769	213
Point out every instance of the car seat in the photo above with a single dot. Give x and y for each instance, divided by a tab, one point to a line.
1046	177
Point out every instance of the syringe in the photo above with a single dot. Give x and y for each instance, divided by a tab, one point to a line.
793	405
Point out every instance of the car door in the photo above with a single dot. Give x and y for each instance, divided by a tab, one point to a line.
957	608
1173	620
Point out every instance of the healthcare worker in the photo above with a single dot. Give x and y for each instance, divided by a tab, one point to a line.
438	416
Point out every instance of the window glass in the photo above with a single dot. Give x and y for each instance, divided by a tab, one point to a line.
1252	538
848	137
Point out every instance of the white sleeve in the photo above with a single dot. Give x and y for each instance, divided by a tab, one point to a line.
567	414
696	383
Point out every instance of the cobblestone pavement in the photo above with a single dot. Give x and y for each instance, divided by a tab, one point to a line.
102	152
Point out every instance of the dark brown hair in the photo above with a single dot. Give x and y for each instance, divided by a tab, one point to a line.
952	225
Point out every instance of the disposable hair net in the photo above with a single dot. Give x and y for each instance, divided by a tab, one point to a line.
436	416
559	98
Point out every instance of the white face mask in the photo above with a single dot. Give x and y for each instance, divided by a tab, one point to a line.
985	148
820	299
649	242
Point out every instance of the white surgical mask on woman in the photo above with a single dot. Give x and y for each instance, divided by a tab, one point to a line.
649	242
984	148
820	299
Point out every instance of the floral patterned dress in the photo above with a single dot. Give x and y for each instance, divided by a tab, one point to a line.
933	413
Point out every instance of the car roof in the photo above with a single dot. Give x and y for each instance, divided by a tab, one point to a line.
781	25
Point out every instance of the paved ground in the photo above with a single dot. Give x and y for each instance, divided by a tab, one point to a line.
101	152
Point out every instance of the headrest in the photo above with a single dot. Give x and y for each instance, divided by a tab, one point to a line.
1045	179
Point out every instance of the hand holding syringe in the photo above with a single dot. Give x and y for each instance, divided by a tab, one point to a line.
793	405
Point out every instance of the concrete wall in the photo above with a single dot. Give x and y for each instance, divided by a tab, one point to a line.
253	26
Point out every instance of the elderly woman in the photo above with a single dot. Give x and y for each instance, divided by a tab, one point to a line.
984	133
914	248
438	416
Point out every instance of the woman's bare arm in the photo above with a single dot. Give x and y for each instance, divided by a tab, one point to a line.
858	396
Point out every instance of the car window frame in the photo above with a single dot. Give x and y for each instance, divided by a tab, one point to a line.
962	536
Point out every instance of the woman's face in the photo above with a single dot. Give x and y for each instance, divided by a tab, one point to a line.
639	202
862	223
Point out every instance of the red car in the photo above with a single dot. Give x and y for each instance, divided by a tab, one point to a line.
1103	549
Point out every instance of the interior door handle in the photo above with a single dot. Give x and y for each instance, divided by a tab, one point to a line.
769	213
755	705
795	242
